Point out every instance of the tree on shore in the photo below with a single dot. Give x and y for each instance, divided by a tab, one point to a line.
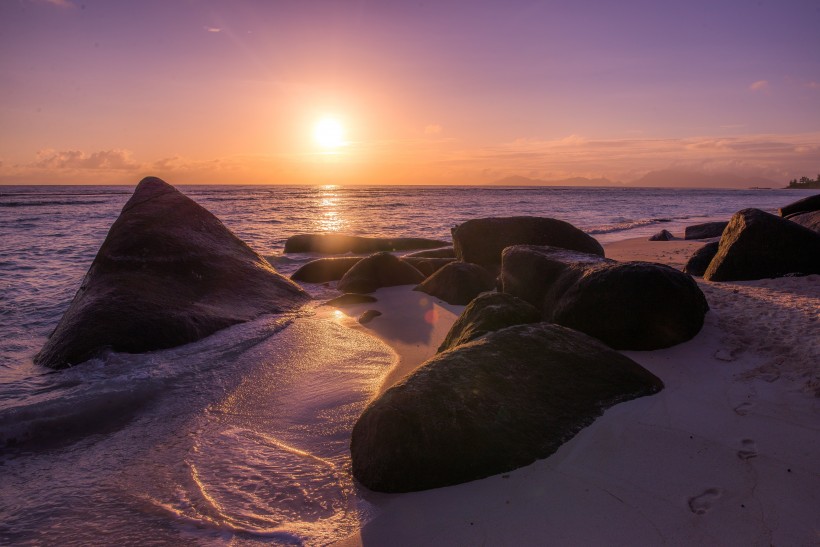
804	182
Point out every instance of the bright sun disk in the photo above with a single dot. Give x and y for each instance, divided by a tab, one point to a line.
329	133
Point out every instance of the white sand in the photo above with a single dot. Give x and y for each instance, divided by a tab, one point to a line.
727	454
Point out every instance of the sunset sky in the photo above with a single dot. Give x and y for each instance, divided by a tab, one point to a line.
431	92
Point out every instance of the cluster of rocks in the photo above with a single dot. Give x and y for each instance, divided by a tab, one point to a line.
756	245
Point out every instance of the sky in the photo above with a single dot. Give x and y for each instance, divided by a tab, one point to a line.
422	92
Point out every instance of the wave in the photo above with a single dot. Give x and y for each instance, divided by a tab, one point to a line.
50	203
626	225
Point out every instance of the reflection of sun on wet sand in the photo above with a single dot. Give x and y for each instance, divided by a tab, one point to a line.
726	454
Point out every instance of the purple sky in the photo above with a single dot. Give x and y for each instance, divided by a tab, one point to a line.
107	91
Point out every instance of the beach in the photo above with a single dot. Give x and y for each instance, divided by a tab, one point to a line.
726	454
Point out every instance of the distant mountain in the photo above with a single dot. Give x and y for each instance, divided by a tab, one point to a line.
674	178
517	180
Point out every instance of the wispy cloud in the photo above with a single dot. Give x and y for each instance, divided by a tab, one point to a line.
212	29
761	86
76	159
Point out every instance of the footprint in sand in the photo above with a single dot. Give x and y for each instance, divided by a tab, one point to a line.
748	449
743	408
704	501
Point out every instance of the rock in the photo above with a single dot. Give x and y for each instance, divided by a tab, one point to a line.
663	235
168	273
805	205
427	266
628	305
481	240
324	269
368	316
700	259
441	252
489	312
379	270
530	271
631	305
350	299
705	230
810	220
489	406
759	245
458	283
340	244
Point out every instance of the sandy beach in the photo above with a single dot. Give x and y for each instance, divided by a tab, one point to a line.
726	454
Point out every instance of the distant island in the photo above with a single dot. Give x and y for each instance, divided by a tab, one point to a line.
664	178
805	183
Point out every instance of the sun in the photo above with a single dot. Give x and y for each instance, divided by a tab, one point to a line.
329	133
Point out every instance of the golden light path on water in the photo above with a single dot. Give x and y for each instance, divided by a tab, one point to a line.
330	218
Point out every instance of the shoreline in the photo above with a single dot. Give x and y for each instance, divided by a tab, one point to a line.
726	454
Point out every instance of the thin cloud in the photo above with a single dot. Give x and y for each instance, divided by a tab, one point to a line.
212	29
112	160
760	86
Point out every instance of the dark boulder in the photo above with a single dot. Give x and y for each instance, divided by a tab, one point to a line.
705	230
482	240
427	266
663	235
379	270
531	271
631	305
810	220
458	283
168	273
340	244
758	245
805	205
322	270
441	252
489	406
700	259
489	312
350	299
368	316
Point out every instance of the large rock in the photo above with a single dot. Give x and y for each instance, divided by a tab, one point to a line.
340	243
490	406
705	230
427	266
322	270
379	270
701	258
168	273
805	205
531	271
628	305
489	312
481	240
632	305
810	220
758	245
441	252
458	283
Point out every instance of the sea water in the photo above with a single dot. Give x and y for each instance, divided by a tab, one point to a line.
240	437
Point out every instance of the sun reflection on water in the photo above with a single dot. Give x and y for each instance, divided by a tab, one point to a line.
330	217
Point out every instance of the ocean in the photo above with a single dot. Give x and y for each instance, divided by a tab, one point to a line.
240	437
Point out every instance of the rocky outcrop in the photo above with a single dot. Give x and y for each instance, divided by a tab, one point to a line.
705	230
663	235
805	205
340	244
458	283
531	271
810	220
758	245
427	266
700	259
442	252
323	270
627	305
482	240
489	406
489	312
379	270
168	273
